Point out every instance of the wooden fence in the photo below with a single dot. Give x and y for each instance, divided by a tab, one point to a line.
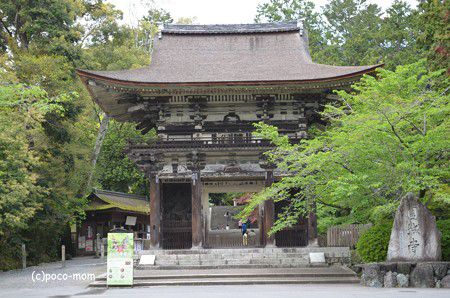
345	235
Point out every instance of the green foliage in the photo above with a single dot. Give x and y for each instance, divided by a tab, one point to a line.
372	245
444	228
45	24
352	32
223	199
47	132
434	36
294	10
23	192
383	140
115	171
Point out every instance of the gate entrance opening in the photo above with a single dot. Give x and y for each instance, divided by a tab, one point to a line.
176	223
294	236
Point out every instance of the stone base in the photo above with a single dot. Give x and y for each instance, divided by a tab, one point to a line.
267	257
406	274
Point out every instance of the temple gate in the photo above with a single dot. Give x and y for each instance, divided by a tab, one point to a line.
205	88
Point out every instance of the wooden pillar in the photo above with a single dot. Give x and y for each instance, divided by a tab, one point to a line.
155	212
262	238
269	212
312	226
205	216
197	226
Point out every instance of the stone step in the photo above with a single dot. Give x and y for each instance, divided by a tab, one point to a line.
228	266
266	274
268	261
245	251
225	258
252	275
234	255
238	281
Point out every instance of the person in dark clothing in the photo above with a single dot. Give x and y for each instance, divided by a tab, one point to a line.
244	234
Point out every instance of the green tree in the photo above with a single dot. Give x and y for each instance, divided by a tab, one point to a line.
23	194
434	28
115	171
386	138
295	10
352	32
398	35
42	24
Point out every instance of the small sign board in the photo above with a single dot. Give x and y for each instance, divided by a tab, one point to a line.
81	242
89	246
120	259
131	221
317	257
147	260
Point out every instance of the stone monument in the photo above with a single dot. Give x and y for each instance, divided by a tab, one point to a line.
414	235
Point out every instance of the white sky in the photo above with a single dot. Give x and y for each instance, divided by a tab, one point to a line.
209	11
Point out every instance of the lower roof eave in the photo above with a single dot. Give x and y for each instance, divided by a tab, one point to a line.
125	83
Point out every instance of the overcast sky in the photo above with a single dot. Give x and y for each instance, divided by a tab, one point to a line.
208	11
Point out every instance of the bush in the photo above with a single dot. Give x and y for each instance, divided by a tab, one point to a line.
372	246
444	228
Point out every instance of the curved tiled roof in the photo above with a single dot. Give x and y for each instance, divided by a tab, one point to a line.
230	54
118	200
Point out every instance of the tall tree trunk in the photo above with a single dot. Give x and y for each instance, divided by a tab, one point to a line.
98	145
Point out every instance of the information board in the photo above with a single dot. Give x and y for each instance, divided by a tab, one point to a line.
120	259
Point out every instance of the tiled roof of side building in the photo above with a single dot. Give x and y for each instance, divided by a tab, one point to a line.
118	200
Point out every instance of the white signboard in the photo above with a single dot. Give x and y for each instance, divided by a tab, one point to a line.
131	221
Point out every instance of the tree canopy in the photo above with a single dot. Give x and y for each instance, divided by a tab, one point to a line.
385	138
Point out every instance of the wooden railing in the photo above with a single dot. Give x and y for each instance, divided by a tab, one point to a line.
345	235
206	143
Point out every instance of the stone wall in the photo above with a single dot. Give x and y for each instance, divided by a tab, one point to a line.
406	274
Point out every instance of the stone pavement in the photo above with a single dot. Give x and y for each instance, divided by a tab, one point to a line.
79	271
247	291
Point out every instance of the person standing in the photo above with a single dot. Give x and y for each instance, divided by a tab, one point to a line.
244	234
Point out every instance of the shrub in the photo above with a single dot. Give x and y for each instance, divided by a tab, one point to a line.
444	228
372	246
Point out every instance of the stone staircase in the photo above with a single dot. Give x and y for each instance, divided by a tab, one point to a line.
336	274
241	266
242	258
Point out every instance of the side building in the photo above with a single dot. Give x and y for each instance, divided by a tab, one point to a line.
108	210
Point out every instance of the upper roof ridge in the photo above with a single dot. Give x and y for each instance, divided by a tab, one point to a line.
232	28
